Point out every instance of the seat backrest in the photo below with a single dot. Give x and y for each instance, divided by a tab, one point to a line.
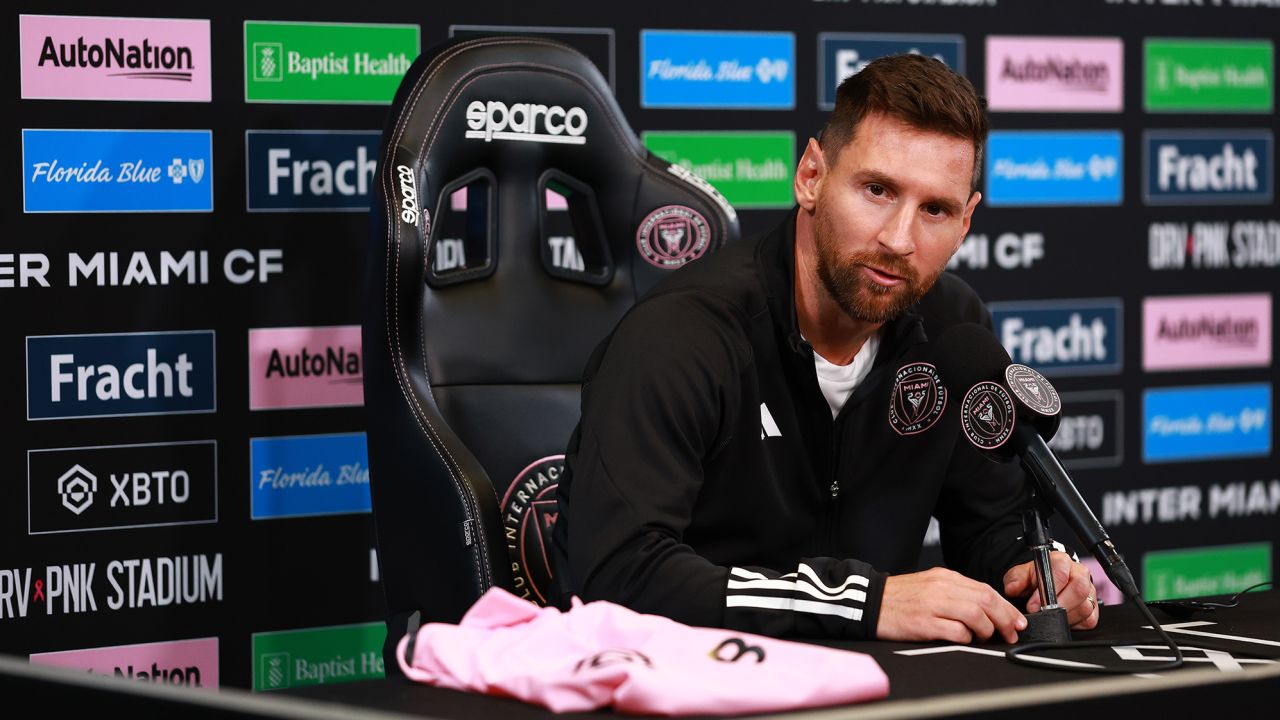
517	217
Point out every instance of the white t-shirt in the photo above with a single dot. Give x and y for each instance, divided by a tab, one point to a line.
838	381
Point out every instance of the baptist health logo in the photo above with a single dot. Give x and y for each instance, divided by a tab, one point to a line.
77	487
268	62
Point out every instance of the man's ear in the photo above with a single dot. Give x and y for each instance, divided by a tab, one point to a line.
809	174
969	207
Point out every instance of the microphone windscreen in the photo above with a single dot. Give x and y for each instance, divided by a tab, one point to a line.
967	354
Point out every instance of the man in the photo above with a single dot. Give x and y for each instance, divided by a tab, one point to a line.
763	440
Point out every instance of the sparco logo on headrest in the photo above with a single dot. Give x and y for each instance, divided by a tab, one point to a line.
529	122
408	195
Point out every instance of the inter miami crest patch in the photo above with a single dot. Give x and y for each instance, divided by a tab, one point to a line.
1033	390
918	399
529	511
986	415
672	236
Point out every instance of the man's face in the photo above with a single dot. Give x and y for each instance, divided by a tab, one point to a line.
892	208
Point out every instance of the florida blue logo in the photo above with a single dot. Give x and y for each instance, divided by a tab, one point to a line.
843	54
117	171
1083	167
309	475
1207	167
310	170
700	69
1200	423
1063	337
77	376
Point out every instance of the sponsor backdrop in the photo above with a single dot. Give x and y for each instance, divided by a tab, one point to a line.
187	218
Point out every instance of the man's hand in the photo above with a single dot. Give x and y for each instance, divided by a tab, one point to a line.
1071	581
941	604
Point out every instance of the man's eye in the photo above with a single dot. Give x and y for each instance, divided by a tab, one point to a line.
876	189
934	209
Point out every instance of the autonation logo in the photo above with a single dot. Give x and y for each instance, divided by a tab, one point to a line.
67	57
1207	167
1063	337
1055	168
1055	74
305	367
1192	332
1202	423
76	376
702	69
309	475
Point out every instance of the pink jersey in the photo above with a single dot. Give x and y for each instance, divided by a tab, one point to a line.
601	654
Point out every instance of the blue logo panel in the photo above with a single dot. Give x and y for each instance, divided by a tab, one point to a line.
1055	168
695	69
117	171
310	170
77	376
843	54
1202	167
1063	337
1200	423
309	475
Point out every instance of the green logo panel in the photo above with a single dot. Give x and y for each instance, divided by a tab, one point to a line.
751	169
1194	572
287	62
1209	75
318	656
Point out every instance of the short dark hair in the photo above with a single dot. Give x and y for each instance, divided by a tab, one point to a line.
917	90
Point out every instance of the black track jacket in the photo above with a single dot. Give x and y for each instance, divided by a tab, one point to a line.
707	481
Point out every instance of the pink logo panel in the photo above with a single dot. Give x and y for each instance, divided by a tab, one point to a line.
1206	331
70	57
1055	74
305	367
192	663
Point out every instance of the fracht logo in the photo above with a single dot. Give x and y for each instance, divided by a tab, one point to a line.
296	62
310	170
1207	167
78	171
309	475
1063	337
1203	423
67	57
841	55
706	69
78	376
1028	168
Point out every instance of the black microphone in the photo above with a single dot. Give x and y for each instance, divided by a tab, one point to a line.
1010	410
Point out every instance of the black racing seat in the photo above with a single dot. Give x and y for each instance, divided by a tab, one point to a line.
517	217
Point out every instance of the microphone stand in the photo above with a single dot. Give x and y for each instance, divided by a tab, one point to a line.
1049	623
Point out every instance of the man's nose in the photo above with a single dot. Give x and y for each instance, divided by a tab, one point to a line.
896	234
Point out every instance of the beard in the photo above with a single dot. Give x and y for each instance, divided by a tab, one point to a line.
857	294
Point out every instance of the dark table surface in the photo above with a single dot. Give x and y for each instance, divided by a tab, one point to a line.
930	678
1234	672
